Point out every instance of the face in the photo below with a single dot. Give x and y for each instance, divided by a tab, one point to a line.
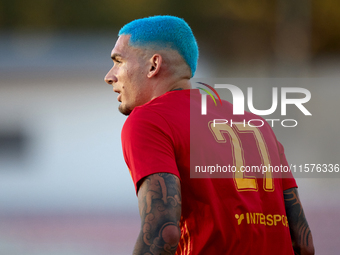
128	76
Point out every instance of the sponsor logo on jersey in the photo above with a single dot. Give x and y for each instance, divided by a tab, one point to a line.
253	218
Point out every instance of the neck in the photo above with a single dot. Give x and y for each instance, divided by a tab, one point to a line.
182	84
161	88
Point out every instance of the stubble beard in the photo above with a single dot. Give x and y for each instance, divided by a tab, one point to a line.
124	110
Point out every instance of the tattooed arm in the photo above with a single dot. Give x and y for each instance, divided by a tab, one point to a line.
299	229
159	201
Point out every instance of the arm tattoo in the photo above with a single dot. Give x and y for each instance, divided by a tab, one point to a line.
159	200
298	225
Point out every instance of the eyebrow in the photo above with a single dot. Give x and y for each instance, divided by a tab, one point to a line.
115	55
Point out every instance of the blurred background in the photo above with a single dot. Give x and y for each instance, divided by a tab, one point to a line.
64	186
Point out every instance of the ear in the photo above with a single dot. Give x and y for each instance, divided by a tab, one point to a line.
155	65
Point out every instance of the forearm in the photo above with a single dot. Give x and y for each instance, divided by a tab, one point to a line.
160	211
299	229
156	245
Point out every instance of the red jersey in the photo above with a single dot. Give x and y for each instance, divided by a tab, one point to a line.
224	211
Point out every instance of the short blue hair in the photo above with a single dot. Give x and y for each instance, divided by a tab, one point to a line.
164	32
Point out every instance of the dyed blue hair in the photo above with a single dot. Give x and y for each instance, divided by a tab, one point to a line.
164	32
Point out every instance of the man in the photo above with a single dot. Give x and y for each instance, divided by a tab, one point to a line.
163	138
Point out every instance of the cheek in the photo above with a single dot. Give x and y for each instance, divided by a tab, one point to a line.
136	70
133	82
130	74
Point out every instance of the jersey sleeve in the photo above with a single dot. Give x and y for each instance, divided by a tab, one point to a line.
147	145
288	182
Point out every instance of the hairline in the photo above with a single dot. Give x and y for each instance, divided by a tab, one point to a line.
150	46
154	48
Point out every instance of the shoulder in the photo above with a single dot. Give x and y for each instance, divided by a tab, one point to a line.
142	122
160	111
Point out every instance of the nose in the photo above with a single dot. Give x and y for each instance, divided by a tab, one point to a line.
110	78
